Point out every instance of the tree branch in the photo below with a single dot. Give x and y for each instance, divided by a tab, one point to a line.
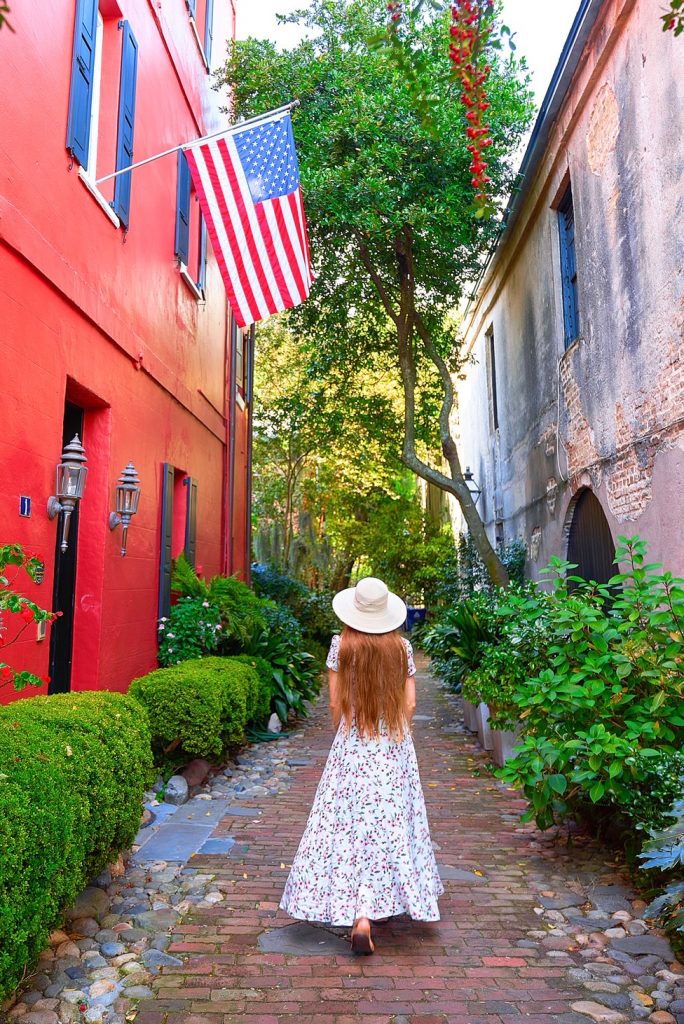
378	282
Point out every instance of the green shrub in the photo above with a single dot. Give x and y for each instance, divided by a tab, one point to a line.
193	629
611	696
311	608
73	769
664	852
201	707
456	644
296	677
238	607
265	673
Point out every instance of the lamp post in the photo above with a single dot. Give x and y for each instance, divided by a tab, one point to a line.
71	478
127	498
472	485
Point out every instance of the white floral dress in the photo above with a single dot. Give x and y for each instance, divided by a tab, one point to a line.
366	850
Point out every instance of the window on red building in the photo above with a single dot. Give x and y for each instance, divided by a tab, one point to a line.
101	119
191	233
202	22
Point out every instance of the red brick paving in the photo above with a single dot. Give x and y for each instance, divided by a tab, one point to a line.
466	969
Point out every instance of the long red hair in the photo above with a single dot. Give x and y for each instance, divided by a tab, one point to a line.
372	677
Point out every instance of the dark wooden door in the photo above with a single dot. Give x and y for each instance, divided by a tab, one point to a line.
590	544
64	593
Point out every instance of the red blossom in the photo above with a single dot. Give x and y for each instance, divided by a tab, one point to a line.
27	614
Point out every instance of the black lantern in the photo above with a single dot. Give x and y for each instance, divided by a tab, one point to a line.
71	479
472	485
127	498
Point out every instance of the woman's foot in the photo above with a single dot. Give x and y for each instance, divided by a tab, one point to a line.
361	941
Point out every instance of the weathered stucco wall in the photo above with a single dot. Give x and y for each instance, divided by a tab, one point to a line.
615	398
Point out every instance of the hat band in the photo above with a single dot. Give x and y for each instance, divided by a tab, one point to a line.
377	604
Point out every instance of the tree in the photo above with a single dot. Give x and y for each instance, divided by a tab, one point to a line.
387	199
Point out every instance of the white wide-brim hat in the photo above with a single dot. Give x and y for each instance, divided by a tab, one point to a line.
370	607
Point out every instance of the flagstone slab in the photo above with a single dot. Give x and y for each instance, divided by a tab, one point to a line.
303	940
449	874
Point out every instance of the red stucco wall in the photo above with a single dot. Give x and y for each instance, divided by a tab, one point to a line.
104	319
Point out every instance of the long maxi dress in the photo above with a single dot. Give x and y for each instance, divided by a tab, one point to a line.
366	849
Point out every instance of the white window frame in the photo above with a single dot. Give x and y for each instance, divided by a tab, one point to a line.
88	175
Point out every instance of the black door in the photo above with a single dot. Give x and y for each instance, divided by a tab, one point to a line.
62	630
590	544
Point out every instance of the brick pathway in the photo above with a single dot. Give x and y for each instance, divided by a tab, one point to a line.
477	966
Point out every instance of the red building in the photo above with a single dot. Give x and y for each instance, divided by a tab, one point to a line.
114	324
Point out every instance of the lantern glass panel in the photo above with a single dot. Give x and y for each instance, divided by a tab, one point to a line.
70	480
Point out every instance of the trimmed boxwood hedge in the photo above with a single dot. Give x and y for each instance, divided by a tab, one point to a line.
201	706
73	769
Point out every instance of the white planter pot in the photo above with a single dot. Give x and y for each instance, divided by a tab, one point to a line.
470	716
484	733
503	742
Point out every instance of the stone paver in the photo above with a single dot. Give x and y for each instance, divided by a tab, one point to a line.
520	937
533	929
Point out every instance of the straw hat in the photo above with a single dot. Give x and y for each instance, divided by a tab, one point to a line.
370	607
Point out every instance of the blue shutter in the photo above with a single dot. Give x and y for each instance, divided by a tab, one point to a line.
192	7
124	139
165	556
566	227
191	521
209	30
82	71
182	244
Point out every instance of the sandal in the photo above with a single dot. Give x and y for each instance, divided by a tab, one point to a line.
361	942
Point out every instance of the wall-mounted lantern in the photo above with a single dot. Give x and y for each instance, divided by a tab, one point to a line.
127	498
472	485
71	478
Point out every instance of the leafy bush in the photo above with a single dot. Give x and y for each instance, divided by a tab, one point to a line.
238	606
73	769
13	560
311	608
611	696
200	707
193	629
463	574
296	677
456	644
265	673
664	852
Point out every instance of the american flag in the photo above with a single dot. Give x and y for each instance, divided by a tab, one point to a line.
247	183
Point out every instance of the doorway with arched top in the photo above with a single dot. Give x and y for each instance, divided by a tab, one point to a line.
590	542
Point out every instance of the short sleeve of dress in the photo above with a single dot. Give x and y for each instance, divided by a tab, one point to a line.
333	659
411	662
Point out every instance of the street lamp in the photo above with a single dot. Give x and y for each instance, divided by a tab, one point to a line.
472	485
127	498
71	478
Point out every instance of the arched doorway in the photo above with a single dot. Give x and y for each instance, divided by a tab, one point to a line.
590	544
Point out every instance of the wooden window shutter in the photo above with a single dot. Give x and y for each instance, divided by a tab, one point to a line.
166	557
182	244
209	30
126	128
191	522
82	71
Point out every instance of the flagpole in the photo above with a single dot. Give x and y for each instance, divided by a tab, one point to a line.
196	142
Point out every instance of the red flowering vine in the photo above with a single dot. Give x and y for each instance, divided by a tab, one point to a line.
14	560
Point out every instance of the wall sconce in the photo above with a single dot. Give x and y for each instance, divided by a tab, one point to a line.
127	498
472	485
71	478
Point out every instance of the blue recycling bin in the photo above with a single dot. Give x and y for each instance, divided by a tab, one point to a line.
413	616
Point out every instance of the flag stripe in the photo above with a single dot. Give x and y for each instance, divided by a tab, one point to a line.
217	229
238	191
248	187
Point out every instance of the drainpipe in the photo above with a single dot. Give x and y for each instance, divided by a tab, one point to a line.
250	420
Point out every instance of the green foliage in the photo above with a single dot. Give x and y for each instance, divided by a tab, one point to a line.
295	675
457	642
14	561
193	629
200	708
463	574
73	769
673	17
264	671
664	852
311	608
236	604
611	696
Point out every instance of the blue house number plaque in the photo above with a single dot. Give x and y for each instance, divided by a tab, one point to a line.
24	505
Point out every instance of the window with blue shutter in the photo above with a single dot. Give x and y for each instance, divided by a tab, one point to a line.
166	540
209	30
566	227
82	79
126	125
202	270
190	548
182	244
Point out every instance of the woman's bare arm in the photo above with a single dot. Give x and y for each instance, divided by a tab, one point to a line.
335	710
410	698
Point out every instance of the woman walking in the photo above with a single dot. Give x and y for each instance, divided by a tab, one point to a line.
366	852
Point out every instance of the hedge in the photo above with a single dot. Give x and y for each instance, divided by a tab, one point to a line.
201	706
73	769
